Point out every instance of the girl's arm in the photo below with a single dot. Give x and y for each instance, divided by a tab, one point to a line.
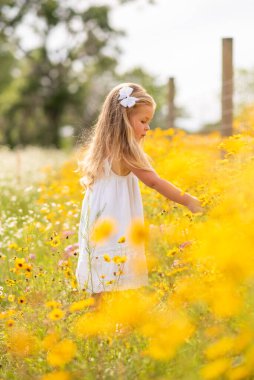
153	180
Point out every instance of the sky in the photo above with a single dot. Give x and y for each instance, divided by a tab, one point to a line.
183	39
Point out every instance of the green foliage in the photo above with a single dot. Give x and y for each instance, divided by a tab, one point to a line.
51	83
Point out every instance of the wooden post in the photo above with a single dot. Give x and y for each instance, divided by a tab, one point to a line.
171	103
227	87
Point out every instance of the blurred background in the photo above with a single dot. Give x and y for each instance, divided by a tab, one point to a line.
60	58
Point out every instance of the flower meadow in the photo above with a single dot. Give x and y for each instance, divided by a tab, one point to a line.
193	321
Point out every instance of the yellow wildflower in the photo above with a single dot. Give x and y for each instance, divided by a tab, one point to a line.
11	297
103	229
62	353
119	259
225	300
121	239
164	328
220	348
172	251
3	315
21	300
55	241
28	270
76	306
107	258
20	263
215	369
13	246
21	343
10	282
50	340
53	304
238	373
10	322
56	314
137	232
119	273
57	375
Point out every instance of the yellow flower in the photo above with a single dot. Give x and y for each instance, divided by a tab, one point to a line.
58	375
7	313
10	282
172	251
55	241
20	263
21	343
67	273
28	269
76	306
225	300
56	314
107	258
119	273
62	353
220	348
119	259
116	259
137	232
21	300
91	324
239	373
10	322
164	328
103	229
11	297
13	246
121	239
215	369
171	131
50	340
53	304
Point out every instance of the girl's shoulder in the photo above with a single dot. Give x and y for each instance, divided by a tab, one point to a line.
119	167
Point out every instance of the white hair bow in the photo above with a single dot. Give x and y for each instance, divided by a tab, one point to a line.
126	99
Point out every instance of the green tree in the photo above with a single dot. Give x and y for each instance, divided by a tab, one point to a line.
54	76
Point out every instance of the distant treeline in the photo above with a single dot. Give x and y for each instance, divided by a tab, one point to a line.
57	64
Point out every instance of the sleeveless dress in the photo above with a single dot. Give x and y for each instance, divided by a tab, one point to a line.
117	197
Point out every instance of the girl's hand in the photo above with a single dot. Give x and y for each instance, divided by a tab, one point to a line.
194	205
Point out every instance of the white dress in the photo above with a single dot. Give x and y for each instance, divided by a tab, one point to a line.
116	197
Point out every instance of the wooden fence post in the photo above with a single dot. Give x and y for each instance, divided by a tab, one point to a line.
227	87
171	103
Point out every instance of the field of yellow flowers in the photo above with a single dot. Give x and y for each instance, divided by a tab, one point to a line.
195	319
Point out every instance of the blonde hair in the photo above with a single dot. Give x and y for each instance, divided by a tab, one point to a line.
113	136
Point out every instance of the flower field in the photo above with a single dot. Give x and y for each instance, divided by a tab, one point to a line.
194	321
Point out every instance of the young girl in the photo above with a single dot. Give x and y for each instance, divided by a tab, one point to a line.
114	162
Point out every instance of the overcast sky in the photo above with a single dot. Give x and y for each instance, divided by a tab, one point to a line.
183	39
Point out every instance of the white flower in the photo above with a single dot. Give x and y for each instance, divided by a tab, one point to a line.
126	99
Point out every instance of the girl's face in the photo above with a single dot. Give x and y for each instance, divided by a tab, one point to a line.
140	119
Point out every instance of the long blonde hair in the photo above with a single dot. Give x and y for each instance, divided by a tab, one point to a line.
113	136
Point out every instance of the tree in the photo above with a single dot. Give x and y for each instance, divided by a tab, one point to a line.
55	77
